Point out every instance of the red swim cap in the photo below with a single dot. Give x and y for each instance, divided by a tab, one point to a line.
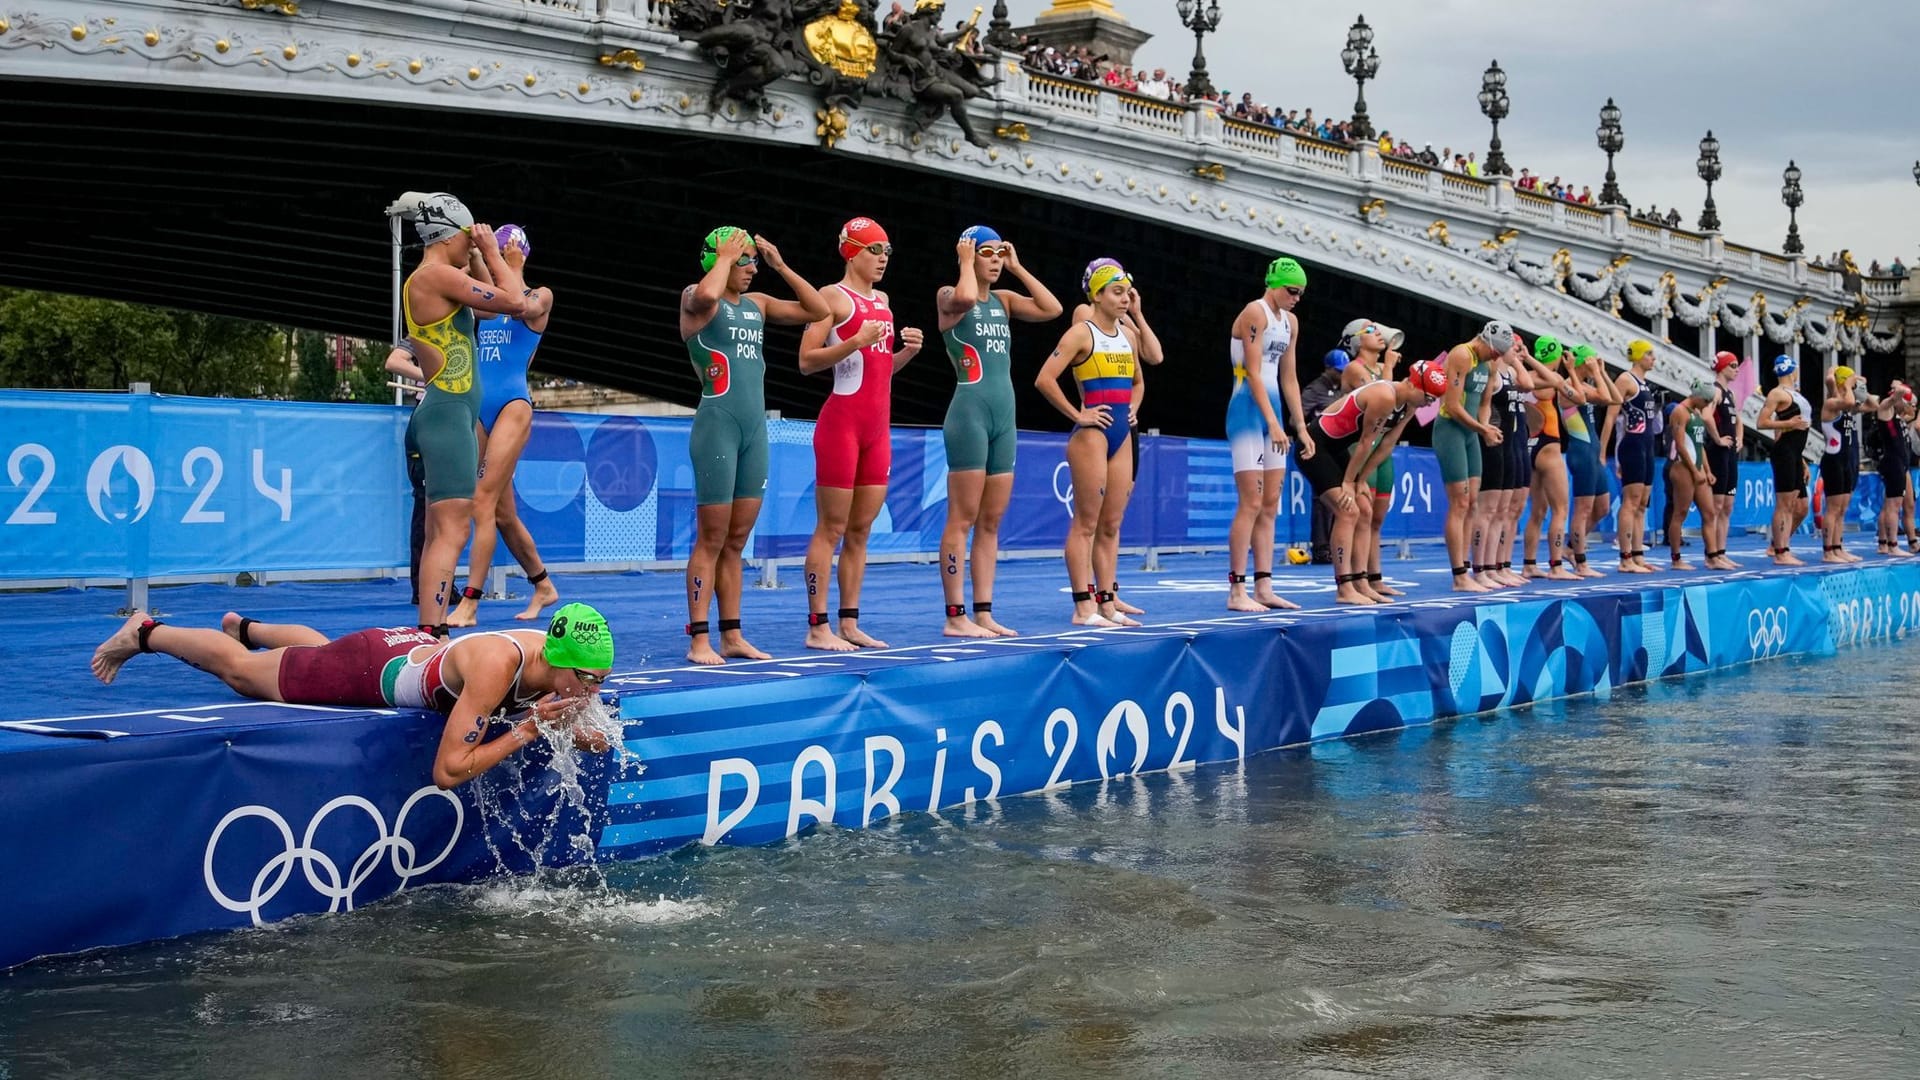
1724	360
858	234
1430	376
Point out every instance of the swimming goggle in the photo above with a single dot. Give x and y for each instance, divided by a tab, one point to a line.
999	251
878	247
1295	291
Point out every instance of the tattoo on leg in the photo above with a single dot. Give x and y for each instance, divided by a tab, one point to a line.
953	564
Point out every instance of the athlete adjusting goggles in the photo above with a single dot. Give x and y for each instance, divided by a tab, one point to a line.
998	251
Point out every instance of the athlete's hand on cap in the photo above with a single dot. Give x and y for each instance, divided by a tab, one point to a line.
1100	416
1133	300
734	246
768	253
483	237
1012	258
966	249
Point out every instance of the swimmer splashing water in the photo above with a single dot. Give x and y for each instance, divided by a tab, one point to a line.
525	681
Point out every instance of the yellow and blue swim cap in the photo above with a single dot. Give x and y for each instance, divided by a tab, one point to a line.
1101	273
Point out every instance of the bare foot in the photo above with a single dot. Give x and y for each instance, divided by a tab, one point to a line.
860	638
735	646
986	621
1463	583
1534	572
230	625
1387	590
118	649
1125	608
1095	620
1266	598
1640	564
1586	571
1787	558
1561	573
819	637
1851	557
1238	600
1511	578
962	627
465	613
1681	564
1374	595
543	595
1833	557
1488	582
1350	595
703	654
1118	617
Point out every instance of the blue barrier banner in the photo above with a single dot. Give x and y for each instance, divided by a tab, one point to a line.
135	485
255	812
118	485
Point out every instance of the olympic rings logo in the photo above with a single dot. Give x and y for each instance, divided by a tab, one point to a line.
322	873
1767	631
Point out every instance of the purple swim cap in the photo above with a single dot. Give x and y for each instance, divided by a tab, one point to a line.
513	236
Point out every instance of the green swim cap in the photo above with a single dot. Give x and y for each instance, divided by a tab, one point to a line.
578	637
710	247
1583	353
1284	272
1547	349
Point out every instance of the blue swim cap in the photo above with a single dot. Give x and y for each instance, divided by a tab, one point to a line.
981	234
1338	359
1785	365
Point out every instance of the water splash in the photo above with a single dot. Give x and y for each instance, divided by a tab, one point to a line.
538	803
580	897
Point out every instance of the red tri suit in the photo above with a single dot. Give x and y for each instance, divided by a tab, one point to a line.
852	444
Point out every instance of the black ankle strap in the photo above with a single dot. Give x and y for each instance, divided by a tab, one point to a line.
471	593
1082	597
816	618
1371	578
729	624
1258	575
852	613
980	607
535	579
1460	571
955	611
1236	579
146	630
1104	596
698	629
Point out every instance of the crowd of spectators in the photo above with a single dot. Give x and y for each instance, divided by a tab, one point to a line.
1081	63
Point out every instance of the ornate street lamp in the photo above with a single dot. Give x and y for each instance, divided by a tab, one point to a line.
1791	194
1612	138
1709	169
1000	28
1493	105
1202	21
1362	61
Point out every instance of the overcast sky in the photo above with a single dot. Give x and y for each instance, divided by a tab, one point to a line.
1826	85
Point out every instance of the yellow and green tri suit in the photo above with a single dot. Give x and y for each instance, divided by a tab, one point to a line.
729	440
442	427
979	428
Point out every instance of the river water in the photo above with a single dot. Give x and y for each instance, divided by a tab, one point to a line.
1711	878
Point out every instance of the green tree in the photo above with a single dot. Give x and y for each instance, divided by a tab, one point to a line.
82	343
314	377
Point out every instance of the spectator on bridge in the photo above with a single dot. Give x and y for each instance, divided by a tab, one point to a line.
1428	157
1673	219
1586	195
1873	268
533	680
1156	85
1473	164
1897	270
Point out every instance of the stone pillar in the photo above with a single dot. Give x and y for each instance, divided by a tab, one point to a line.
1093	23
1709	342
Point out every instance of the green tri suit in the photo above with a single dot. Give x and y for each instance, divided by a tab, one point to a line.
979	428
442	425
1454	443
729	441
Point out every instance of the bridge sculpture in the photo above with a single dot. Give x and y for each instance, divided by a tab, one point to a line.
822	72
